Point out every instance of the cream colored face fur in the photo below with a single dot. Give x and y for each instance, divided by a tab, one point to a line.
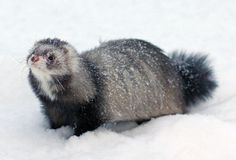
66	62
44	69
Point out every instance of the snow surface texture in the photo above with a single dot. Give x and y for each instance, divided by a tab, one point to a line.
207	132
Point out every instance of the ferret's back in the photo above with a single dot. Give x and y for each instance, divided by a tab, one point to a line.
139	81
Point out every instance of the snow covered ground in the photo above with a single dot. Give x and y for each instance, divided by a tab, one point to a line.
208	132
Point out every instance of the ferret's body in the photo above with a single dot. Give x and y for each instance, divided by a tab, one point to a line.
137	81
121	80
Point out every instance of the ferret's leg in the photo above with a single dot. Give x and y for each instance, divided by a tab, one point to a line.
54	125
56	117
83	126
139	122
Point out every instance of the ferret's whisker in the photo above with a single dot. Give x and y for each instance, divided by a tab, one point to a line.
23	68
60	84
22	61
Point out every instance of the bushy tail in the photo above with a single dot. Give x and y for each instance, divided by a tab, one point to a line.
197	76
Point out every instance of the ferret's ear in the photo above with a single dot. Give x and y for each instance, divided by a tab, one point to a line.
64	50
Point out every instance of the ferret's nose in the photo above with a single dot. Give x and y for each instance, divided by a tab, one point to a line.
34	58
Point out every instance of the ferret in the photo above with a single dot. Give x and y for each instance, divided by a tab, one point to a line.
120	80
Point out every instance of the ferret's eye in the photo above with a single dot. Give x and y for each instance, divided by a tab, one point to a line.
51	58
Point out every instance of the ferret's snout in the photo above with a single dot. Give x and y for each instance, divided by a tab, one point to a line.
34	58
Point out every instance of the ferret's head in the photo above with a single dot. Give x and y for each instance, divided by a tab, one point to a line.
52	57
53	62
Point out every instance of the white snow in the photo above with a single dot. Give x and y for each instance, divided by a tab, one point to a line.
208	132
